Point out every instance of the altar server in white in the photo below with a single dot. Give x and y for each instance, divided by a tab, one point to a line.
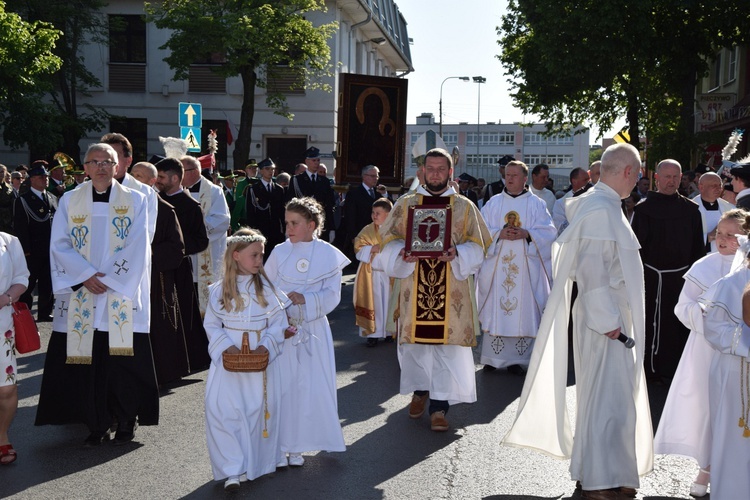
309	271
243	409
685	427
514	281
729	392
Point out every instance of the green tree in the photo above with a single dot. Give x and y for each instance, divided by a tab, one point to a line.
26	61
253	38
58	121
583	61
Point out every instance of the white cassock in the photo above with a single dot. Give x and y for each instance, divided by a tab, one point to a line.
381	287
730	337
710	218
447	371
309	404
217	219
613	439
235	402
131	279
513	283
547	196
558	212
685	427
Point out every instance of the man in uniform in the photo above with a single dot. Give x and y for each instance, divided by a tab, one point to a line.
437	329
497	186
265	207
240	194
310	183
32	224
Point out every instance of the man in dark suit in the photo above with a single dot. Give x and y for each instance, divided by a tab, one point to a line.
497	186
265	206
32	224
358	206
741	184
311	184
465	182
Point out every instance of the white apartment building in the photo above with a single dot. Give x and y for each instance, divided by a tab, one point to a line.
482	145
137	85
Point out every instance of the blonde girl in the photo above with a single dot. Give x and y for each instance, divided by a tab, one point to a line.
243	409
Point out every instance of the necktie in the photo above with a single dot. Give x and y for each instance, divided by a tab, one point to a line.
372	193
270	189
314	178
44	198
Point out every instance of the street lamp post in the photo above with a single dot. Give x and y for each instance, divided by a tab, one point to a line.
478	80
464	78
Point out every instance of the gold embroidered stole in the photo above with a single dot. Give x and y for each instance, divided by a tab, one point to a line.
205	263
432	286
364	300
81	328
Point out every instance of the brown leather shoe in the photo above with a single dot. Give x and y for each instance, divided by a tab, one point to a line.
418	403
628	492
613	494
438	421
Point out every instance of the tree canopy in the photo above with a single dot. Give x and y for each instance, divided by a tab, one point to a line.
52	119
252	39
583	62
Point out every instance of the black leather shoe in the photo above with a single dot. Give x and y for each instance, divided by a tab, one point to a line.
372	342
44	319
96	438
125	433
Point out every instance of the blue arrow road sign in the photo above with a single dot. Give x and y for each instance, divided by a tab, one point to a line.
191	115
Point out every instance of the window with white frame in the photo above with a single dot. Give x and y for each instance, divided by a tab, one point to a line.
553	161
539	139
732	64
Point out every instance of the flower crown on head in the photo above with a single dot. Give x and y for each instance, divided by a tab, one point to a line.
246	238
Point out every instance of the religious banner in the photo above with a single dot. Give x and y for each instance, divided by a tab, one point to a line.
371	128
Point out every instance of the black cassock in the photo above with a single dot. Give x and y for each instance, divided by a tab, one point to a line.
265	212
195	236
670	232
167	335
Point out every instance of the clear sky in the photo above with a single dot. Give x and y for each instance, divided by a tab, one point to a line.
458	38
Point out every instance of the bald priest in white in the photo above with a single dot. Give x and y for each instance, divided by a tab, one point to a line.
513	283
613	443
99	366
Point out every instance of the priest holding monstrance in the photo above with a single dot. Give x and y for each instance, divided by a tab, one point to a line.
434	241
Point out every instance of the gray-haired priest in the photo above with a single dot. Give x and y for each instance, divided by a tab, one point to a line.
99	368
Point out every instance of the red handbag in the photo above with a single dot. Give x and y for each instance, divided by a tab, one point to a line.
27	334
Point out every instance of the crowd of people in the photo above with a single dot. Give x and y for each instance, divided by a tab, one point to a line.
158	270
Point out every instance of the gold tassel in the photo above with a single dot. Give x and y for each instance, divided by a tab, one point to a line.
78	360
741	423
268	415
121	351
746	433
265	433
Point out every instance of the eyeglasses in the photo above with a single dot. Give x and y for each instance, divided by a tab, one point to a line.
190	169
103	163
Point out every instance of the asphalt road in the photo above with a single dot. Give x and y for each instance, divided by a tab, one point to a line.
388	455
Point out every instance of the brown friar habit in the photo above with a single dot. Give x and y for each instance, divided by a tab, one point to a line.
670	232
167	335
195	236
